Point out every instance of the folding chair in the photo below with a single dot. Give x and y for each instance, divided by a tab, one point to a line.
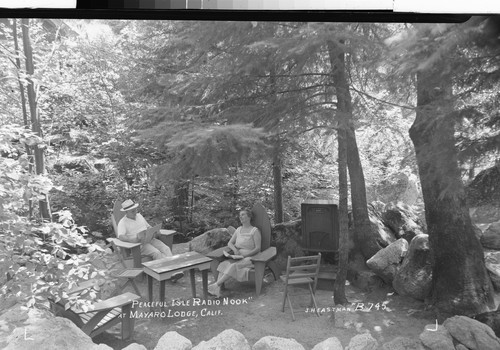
301	271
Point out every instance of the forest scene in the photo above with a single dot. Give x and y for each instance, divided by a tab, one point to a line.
398	124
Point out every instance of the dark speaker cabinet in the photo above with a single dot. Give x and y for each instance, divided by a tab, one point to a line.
320	225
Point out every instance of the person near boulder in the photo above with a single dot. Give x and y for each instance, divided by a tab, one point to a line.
132	224
245	243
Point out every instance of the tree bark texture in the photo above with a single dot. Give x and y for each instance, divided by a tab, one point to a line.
277	168
23	105
344	110
339	285
461	284
362	226
35	120
278	186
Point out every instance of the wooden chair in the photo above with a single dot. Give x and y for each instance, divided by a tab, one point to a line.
301	271
125	274
104	315
260	260
133	250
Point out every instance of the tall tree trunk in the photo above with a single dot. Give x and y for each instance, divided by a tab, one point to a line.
234	193
339	285
363	231
23	106
460	282
35	121
278	184
344	109
277	169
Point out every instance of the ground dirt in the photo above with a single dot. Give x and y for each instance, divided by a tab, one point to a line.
384	314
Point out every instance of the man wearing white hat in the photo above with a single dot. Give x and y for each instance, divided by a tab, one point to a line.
132	224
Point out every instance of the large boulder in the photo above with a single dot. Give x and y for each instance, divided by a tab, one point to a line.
403	221
360	276
485	188
329	344
491	319
386	262
403	343
210	240
490	239
363	341
135	346
485	214
53	333
414	277
436	339
226	340
379	237
493	229
471	333
173	341
492	263
277	343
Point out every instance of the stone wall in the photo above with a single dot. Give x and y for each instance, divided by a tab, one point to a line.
35	330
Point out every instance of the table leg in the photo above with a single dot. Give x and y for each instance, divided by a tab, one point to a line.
162	293
204	277
193	282
150	288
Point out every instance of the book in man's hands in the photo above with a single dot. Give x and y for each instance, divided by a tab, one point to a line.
148	234
231	256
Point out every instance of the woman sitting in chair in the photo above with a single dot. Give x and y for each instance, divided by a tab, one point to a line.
246	242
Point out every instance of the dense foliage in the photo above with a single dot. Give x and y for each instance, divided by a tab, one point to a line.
38	260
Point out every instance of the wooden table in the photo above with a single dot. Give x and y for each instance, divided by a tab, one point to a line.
163	269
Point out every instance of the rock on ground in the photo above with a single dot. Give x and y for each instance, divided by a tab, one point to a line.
363	341
403	343
135	346
226	340
437	340
173	341
55	334
492	263
471	333
491	319
403	221
210	240
386	261
277	343
360	276
382	236
491	236
329	344
484	214
414	277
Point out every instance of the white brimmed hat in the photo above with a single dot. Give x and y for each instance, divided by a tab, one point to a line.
129	205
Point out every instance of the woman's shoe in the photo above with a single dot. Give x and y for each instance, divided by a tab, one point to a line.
214	289
176	277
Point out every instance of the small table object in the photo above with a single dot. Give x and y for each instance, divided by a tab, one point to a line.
163	269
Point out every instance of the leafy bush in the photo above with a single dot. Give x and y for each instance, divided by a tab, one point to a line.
38	259
88	196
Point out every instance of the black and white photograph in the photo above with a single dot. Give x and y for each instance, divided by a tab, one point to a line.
245	183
